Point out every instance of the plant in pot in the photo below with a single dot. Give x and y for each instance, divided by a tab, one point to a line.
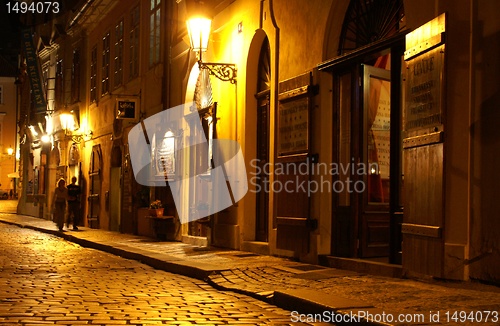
158	208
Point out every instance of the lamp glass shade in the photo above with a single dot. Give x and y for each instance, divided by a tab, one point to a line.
68	121
199	32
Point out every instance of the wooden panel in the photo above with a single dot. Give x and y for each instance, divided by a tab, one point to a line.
374	239
293	237
292	210
292	200
343	242
423	185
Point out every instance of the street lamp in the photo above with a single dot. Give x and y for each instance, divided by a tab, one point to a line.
199	32
69	124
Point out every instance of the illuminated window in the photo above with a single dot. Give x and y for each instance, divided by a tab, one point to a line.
154	32
134	42
118	79
75	77
105	64
93	74
59	87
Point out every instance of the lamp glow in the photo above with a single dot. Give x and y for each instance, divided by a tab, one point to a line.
68	121
45	139
199	33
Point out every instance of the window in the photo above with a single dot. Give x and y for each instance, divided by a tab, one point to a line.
75	77
93	74
105	64
118	54
59	84
134	42
154	32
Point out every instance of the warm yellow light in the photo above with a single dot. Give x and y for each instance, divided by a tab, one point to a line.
67	121
45	139
10	151
33	131
199	33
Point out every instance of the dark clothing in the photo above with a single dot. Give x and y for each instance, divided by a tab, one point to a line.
74	193
74	212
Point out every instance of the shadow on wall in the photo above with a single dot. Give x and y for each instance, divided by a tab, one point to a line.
485	224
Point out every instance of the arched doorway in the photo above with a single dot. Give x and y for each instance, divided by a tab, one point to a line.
367	144
262	155
95	183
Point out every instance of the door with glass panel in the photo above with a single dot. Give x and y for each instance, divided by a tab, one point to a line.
374	218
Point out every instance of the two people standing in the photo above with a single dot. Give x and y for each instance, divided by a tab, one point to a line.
70	194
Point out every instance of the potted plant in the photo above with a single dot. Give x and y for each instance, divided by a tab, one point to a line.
158	208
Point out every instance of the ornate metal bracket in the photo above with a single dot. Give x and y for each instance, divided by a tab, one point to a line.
223	71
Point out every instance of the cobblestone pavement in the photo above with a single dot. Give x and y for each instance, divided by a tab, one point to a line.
45	280
267	277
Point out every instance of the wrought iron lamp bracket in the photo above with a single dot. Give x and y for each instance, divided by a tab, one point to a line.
223	71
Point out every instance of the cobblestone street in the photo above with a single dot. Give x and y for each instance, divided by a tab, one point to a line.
45	280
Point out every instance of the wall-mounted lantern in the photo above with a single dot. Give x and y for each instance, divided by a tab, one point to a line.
199	33
68	123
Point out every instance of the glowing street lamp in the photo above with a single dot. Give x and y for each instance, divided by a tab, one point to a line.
199	33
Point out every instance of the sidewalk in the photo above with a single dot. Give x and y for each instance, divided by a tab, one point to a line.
295	286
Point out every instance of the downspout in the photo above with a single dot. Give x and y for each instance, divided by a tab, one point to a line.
470	154
168	55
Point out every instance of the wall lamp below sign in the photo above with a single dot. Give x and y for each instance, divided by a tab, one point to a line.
199	32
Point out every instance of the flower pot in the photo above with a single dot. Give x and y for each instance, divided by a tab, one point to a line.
158	212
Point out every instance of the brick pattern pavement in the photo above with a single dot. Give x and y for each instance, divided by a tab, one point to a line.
260	276
48	281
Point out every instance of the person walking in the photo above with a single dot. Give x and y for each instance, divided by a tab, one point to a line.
74	194
59	203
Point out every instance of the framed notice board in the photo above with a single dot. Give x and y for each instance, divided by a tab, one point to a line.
293	116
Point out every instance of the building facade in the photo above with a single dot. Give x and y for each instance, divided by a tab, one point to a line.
367	128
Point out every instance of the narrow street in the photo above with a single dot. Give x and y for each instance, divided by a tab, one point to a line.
45	280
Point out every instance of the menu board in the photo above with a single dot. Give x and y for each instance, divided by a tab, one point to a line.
423	90
165	156
293	126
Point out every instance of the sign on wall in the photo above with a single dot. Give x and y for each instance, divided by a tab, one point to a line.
293	115
423	106
33	71
424	61
293	126
127	109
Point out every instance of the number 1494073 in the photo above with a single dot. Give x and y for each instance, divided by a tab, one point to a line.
33	7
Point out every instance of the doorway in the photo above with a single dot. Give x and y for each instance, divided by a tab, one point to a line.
367	145
263	136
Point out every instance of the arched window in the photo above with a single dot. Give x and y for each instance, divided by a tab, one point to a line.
368	21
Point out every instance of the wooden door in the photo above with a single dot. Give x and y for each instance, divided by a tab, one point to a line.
262	200
94	197
424	114
374	220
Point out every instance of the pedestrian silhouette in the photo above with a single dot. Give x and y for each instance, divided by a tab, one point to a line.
59	203
74	212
